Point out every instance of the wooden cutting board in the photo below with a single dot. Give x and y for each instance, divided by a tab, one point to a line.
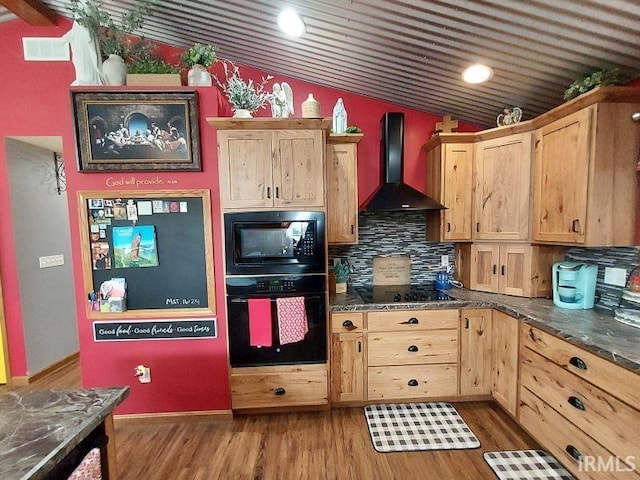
392	270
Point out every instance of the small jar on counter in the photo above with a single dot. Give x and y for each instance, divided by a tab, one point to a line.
634	283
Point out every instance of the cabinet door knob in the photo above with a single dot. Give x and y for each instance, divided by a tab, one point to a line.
574	452
576	403
575	226
412	348
277	192
348	324
503	270
279	391
359	347
578	363
495	269
466	323
353	229
448	226
413	382
268	192
478	227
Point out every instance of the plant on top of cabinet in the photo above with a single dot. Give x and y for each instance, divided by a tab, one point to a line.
245	96
600	78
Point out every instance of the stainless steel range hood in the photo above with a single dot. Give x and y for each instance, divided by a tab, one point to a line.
393	194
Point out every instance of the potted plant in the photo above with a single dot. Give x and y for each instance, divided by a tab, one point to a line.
600	78
145	67
244	96
340	276
198	59
112	35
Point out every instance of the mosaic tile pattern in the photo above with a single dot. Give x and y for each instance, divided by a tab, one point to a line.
388	234
619	257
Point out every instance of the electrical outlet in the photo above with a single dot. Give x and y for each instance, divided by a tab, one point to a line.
51	261
615	276
444	260
143	373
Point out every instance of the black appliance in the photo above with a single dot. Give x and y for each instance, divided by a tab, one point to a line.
274	242
401	294
313	349
393	194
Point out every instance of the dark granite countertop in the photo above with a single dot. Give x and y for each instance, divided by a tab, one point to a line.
595	330
38	428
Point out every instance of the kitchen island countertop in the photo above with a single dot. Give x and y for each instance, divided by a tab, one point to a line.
38	428
595	330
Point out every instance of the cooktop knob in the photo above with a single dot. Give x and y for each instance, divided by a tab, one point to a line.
407	296
414	297
397	297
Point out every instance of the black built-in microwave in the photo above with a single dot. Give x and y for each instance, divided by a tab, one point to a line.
273	242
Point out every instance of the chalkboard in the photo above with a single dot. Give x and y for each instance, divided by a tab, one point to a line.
172	268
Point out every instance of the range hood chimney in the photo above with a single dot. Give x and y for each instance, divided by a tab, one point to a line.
393	194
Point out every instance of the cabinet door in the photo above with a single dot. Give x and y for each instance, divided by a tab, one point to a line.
561	171
245	168
515	270
484	267
504	345
347	367
342	193
457	174
502	171
298	174
475	352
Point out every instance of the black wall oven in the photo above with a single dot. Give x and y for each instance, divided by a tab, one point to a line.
312	349
274	242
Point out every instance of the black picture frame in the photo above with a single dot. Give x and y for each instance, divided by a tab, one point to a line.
133	131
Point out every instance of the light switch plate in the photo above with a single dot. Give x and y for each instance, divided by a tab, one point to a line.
444	260
615	276
51	261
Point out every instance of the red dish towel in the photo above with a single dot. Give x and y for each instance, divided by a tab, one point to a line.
260	322
292	319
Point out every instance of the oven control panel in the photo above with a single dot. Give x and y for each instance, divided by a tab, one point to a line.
276	285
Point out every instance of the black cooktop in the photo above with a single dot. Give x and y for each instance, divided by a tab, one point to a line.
400	294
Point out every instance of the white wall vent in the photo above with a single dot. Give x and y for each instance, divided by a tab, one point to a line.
45	49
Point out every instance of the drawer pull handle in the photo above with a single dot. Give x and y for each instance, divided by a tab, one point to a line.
411	321
575	226
268	192
413	382
279	391
576	403
348	324
578	363
413	348
574	452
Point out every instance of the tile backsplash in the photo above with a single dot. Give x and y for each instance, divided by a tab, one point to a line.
619	257
389	234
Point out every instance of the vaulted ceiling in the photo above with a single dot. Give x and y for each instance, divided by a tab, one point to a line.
412	52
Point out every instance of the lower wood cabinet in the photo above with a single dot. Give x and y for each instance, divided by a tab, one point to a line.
504	360
348	357
475	351
279	386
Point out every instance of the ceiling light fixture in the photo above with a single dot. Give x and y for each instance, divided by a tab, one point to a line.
291	23
477	73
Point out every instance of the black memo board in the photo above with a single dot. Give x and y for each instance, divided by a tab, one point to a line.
180	280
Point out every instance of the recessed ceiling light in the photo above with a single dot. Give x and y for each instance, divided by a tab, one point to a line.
291	23
477	73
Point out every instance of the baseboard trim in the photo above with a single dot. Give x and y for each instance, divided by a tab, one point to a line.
23	381
173	417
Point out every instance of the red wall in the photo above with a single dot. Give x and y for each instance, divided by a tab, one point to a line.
187	375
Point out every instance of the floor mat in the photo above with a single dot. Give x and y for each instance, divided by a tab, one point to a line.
526	465
418	426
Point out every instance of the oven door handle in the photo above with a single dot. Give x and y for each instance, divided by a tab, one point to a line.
306	297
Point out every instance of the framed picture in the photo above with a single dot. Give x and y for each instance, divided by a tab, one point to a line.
126	131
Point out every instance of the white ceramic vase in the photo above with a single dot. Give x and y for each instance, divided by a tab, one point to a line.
242	113
114	70
199	76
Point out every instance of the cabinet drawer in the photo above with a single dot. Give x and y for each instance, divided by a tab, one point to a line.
597	413
340	322
409	320
411	348
606	375
559	437
398	382
279	386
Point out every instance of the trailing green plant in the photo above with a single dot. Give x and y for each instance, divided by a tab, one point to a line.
243	94
199	54
112	35
144	59
600	78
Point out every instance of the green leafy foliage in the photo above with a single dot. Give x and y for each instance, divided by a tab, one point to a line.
143	59
600	78
243	94
352	129
199	54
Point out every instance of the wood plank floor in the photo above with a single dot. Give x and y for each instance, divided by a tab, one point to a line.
310	445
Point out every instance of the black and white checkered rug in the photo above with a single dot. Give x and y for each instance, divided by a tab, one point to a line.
418	426
526	465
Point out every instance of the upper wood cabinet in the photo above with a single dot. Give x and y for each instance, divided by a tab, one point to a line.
449	181
502	172
584	185
342	188
271	163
